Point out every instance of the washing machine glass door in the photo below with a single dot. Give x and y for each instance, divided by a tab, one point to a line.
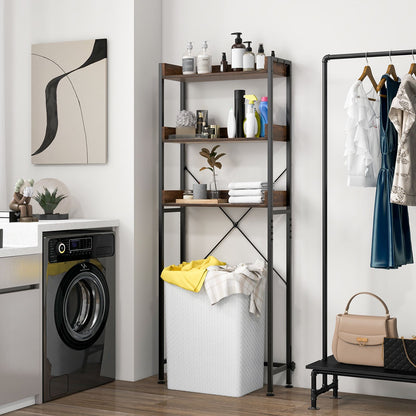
81	306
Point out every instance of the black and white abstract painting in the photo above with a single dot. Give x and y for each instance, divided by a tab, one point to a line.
69	102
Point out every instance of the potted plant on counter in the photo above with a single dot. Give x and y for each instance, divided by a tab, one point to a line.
48	202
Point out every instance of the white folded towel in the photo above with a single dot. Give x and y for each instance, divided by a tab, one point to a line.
245	199
247	185
246	192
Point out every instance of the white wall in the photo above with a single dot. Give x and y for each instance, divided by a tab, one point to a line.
147	54
101	190
3	199
302	32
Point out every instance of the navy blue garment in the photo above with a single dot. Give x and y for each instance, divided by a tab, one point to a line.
391	246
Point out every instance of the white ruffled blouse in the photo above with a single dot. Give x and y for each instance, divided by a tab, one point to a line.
362	143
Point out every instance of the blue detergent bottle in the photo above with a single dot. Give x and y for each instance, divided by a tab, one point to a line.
263	109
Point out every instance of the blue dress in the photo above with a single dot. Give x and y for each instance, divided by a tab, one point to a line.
391	245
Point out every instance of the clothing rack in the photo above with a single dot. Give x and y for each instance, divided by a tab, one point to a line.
328	365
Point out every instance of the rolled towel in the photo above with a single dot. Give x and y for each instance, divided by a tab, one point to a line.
245	199
246	192
247	185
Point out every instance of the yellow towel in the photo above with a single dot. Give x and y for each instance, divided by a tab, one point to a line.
189	276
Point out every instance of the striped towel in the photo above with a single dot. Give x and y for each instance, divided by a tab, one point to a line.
246	278
246	192
247	185
245	199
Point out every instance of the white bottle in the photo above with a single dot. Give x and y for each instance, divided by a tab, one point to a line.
260	58
188	61
250	124
248	58
204	61
231	127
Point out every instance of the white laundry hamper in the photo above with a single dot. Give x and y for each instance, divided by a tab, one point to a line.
214	349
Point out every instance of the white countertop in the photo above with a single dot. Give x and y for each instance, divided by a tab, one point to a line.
21	238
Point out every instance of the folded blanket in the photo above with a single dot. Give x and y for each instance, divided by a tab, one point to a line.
189	276
248	279
245	199
246	192
247	185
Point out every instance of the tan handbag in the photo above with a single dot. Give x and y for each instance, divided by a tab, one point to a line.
358	339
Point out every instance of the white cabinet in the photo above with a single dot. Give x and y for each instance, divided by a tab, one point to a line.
20	329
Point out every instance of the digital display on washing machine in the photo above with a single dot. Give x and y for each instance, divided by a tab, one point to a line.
78	244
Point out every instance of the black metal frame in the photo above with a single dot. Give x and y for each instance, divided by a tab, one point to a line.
272	367
328	365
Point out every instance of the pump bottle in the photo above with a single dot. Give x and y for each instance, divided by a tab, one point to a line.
204	61
260	58
237	52
252	121
248	58
188	61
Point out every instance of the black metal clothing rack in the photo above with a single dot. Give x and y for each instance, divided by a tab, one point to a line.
328	365
174	73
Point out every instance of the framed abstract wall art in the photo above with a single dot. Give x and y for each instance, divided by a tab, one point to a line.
69	102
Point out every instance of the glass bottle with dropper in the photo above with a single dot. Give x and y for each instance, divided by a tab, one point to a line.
188	61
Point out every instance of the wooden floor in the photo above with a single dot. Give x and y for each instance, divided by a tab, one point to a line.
146	397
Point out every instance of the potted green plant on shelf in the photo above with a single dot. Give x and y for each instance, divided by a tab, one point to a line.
48	202
212	157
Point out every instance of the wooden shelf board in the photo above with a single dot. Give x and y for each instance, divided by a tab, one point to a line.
225	205
279	135
174	73
169	198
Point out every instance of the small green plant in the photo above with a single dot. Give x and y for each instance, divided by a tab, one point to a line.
212	157
49	201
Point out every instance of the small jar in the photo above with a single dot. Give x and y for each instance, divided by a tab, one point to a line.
213	131
188	194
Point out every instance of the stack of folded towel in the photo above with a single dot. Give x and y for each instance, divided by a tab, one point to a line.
246	192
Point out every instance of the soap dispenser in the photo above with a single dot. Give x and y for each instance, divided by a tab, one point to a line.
260	58
248	58
204	61
237	52
188	61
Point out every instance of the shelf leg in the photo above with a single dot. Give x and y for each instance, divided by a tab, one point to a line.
335	387
314	394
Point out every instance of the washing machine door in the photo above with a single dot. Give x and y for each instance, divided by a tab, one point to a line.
81	306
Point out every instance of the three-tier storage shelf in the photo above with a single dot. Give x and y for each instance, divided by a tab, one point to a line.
276	202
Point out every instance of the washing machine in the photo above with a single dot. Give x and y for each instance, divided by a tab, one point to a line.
78	311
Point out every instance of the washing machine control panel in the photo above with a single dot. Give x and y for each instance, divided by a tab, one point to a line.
84	247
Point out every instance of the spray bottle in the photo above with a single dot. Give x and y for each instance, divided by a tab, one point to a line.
252	122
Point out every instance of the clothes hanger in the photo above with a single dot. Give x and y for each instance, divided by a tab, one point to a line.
390	71
367	73
412	70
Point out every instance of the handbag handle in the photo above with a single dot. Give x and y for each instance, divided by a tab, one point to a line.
407	355
371	294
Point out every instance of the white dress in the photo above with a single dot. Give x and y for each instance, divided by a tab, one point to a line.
362	143
402	115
